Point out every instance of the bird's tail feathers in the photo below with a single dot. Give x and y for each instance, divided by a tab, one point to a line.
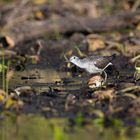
112	57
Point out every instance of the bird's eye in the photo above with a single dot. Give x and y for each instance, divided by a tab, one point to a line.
74	57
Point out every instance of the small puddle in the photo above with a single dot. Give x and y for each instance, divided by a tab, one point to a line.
42	79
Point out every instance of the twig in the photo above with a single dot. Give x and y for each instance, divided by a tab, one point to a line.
134	58
11	20
129	89
136	5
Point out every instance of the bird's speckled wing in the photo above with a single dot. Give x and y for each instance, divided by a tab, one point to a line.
99	61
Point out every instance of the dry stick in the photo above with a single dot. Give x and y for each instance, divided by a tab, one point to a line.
16	10
129	89
134	59
30	29
13	14
11	18
136	5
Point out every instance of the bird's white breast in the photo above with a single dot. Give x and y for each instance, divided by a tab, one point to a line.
90	67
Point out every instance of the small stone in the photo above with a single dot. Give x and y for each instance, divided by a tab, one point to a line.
95	81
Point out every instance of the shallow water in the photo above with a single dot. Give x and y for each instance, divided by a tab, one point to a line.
41	79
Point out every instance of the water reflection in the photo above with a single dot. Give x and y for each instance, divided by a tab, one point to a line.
41	79
29	127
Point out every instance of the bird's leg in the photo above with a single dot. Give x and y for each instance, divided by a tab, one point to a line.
83	80
82	86
105	72
107	65
105	76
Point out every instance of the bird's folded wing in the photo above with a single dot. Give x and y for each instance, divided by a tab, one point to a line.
101	62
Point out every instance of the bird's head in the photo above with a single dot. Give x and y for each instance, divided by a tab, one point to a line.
74	59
